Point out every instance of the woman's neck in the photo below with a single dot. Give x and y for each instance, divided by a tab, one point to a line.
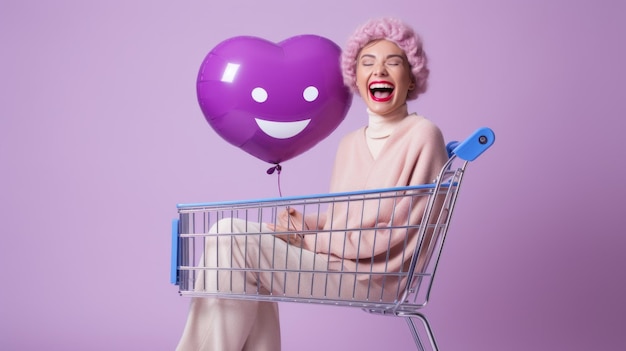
380	127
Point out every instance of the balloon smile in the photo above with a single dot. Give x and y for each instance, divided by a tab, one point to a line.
282	130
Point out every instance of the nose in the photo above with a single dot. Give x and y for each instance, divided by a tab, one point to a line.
380	70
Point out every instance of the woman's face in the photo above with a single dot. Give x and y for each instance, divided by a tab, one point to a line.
383	77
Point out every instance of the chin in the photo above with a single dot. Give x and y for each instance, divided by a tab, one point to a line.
386	108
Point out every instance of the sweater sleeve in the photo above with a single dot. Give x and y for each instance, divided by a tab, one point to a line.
413	157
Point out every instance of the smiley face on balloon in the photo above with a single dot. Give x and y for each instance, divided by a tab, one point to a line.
273	100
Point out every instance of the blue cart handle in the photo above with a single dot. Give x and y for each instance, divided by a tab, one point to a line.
474	145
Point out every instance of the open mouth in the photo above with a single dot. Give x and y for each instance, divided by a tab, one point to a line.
282	130
381	91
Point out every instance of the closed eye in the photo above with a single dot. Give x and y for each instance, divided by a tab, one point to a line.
394	62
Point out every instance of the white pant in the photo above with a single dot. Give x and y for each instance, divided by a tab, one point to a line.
220	324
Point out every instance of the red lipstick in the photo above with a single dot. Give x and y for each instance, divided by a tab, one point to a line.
381	90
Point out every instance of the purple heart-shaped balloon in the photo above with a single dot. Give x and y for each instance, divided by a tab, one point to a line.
274	101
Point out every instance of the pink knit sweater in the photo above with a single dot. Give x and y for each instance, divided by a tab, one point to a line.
413	154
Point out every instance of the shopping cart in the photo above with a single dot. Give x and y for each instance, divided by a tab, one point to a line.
419	215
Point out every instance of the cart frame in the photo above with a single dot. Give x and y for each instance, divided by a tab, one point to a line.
412	284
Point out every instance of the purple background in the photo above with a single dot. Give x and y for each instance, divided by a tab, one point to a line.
101	136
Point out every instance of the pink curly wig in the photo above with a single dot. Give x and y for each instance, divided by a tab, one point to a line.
397	32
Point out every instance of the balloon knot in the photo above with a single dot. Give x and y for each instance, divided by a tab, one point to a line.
276	168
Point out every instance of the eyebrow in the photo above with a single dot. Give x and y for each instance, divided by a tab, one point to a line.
388	56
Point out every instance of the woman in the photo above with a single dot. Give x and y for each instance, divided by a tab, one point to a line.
384	63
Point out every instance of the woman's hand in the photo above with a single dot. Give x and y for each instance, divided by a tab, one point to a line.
288	221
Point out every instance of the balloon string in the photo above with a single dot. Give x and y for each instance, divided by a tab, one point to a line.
276	168
280	192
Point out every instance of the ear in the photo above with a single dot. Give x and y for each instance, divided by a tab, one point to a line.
411	86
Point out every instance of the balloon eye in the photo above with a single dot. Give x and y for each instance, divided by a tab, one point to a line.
310	94
259	94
